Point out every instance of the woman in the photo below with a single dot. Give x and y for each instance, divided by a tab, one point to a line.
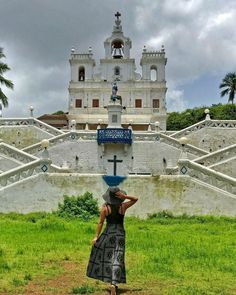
106	261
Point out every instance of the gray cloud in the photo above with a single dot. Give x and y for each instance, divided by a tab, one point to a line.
37	35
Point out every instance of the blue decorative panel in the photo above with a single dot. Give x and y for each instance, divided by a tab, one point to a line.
114	135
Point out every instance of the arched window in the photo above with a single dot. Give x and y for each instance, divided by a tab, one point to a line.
153	70
81	74
117	49
117	71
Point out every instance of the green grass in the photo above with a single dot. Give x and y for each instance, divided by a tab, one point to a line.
175	255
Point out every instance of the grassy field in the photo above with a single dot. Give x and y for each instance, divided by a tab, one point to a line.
44	254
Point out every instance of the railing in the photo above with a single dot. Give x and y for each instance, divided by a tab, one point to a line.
114	135
30	122
204	124
209	176
153	54
69	136
81	56
16	154
25	171
217	156
156	136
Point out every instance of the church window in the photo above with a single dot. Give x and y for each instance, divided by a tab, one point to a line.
156	103
153	73
138	103
117	71
81	74
78	103
95	103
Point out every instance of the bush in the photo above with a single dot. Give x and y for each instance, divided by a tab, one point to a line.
84	206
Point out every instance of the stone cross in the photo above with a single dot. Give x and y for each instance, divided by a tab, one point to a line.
117	15
115	161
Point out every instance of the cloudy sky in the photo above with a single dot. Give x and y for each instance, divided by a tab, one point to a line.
37	35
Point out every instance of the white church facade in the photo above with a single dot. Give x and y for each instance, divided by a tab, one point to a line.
191	171
143	95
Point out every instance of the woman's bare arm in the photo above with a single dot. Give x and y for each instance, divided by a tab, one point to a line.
100	224
131	202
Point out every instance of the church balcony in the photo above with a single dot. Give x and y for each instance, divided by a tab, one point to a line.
114	135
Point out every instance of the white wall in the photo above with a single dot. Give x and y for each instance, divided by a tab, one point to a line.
178	194
140	157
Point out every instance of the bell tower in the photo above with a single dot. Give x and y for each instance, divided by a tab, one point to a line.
117	46
117	64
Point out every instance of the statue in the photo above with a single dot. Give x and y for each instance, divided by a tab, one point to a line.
114	95
114	89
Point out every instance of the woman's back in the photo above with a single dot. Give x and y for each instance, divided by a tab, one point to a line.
114	215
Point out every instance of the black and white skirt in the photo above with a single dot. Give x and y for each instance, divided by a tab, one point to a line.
107	258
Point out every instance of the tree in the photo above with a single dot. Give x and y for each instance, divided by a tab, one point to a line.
229	83
3	81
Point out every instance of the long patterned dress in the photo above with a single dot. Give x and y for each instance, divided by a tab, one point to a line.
107	258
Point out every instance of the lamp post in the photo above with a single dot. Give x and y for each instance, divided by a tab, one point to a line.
45	145
183	141
31	108
207	111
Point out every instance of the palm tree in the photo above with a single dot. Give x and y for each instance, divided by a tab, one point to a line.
3	81
229	83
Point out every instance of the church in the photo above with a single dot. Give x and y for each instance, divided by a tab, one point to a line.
117	130
143	95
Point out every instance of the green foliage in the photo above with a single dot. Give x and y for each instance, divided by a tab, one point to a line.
3	81
29	217
53	223
84	289
83	206
27	277
58	113
177	121
176	254
229	85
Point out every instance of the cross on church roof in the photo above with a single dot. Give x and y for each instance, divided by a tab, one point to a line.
117	15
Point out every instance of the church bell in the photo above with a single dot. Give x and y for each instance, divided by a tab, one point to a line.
117	53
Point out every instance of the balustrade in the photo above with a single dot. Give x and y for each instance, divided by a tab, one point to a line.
204	124
206	175
16	154
25	171
217	156
30	122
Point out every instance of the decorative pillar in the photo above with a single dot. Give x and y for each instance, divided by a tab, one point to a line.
45	145
157	126
207	111
114	115
31	108
73	125
183	160
46	161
